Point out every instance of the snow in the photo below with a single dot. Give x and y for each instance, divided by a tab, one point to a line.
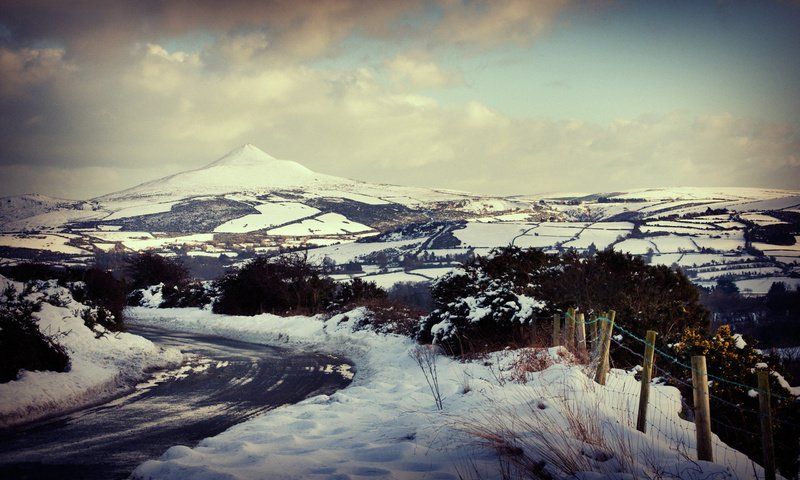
674	243
367	199
760	286
246	168
348	252
138	210
636	246
326	224
770	249
491	234
270	215
101	368
160	242
387	280
386	425
601	238
52	243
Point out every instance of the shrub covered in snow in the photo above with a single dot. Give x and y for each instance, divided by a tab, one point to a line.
56	354
487	305
493	301
22	344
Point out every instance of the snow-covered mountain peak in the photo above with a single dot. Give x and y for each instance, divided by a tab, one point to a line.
250	156
247	168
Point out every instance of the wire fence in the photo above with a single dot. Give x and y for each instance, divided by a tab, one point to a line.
679	431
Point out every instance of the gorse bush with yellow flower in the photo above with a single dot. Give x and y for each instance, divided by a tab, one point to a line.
732	363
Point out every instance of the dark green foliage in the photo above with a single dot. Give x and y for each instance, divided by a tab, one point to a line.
288	283
387	316
487	304
645	297
93	287
771	319
99	288
417	294
22	345
358	290
146	269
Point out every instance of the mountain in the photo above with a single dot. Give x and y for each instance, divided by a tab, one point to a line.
248	190
25	206
245	169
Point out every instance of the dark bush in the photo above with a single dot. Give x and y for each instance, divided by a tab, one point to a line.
22	345
492	301
93	287
100	289
384	315
489	304
146	269
645	297
189	295
736	360
263	285
357	291
417	294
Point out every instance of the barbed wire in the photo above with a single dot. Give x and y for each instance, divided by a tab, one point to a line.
672	358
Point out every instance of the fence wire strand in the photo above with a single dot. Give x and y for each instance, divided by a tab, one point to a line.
660	424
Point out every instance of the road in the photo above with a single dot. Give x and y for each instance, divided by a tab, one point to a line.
224	382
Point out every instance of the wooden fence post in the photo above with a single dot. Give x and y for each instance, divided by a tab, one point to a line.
569	341
580	329
647	375
556	329
702	408
605	347
767	445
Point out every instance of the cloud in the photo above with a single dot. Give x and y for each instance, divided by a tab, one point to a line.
164	112
419	71
102	31
28	68
489	24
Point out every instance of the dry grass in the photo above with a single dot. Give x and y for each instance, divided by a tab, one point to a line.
555	435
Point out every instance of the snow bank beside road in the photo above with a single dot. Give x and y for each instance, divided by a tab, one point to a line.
385	424
101	368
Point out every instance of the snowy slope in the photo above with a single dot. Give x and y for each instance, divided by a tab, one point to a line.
245	169
23	206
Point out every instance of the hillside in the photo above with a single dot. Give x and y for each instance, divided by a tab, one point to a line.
249	203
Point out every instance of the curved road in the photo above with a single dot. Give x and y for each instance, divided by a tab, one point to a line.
223	383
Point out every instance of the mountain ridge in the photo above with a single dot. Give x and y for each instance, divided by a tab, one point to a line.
245	168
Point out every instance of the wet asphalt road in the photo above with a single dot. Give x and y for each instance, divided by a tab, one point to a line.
223	383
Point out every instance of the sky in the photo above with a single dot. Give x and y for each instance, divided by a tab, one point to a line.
501	97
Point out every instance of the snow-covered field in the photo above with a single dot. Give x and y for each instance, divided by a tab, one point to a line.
50	242
386	424
325	224
101	368
270	215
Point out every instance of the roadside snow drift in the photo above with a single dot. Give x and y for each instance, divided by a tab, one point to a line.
101	368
